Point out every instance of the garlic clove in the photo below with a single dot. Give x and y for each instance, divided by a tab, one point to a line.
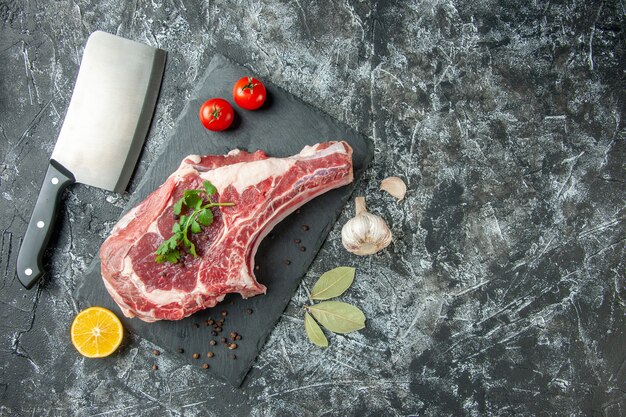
366	233
394	186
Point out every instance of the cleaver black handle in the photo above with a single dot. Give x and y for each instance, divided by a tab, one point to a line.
39	230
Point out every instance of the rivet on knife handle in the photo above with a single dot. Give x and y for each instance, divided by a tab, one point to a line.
39	230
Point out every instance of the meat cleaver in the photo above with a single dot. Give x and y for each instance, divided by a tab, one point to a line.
102	135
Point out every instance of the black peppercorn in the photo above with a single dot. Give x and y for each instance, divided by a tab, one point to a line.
305	227
209	322
213	333
155	367
210	354
212	342
302	248
296	241
249	311
223	340
233	335
180	350
287	262
205	365
238	337
224	313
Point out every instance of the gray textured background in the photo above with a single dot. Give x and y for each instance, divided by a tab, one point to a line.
504	292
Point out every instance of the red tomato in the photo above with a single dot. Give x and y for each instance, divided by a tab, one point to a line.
249	93
216	114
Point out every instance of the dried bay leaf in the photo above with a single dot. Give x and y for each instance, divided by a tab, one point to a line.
337	316
314	331
333	283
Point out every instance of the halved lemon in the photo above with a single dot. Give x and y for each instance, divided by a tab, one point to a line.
96	332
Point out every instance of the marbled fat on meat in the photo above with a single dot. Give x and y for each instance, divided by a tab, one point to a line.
265	190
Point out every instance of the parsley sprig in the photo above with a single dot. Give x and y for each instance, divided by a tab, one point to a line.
200	214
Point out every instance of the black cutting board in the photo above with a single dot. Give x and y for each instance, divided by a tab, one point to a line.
282	127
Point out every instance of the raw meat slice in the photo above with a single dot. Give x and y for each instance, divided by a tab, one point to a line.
265	190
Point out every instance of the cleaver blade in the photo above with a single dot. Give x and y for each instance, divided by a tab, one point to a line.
105	126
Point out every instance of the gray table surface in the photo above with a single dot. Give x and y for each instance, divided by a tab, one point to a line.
504	291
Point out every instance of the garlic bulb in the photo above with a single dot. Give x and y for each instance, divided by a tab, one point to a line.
365	233
394	186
